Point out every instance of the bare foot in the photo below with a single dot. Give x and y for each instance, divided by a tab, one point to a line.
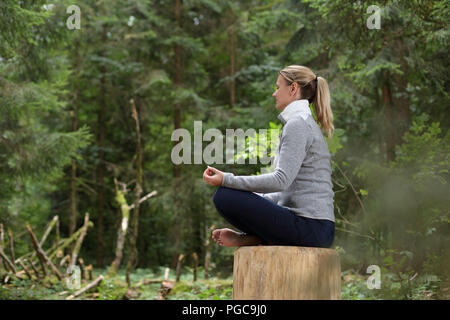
230	238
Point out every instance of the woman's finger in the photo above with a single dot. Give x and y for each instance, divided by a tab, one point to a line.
213	169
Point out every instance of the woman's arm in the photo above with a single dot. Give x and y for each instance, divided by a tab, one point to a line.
294	144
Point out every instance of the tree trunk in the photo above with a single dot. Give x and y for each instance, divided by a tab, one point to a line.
178	79
1	245
195	256
179	266
73	170
232	41
132	260
388	116
100	166
125	210
208	250
401	99
286	273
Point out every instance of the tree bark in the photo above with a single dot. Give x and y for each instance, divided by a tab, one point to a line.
208	249
388	116
68	241
132	260
125	210
81	264
286	273
178	79
1	246
46	233
25	269
42	257
101	158
80	239
179	265
7	262
232	41
195	256
49	229
11	247
73	169
401	98
36	272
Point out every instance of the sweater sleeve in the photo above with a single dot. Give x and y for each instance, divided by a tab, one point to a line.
294	144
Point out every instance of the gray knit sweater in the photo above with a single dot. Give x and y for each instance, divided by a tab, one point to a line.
301	180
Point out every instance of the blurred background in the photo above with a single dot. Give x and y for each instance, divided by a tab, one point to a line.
70	142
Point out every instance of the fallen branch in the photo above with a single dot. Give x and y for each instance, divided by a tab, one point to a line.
49	228
89	286
77	247
42	257
31	255
11	246
68	241
8	262
36	272
151	194
11	266
64	260
25	269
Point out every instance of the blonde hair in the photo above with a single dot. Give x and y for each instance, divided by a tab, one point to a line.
315	90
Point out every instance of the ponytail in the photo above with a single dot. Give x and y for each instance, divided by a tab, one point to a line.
323	107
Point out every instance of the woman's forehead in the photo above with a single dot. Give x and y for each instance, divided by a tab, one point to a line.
278	80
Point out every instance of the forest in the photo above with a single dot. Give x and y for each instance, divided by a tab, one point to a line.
92	204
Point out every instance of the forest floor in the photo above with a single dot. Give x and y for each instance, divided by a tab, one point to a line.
353	288
116	288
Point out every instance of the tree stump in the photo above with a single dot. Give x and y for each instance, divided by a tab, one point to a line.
286	273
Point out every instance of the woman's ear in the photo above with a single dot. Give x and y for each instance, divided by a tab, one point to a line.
294	90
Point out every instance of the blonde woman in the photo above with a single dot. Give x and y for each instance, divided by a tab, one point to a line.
293	205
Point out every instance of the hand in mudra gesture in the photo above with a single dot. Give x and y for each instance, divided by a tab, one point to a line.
212	176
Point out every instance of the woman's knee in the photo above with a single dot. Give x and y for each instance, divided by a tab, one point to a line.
220	197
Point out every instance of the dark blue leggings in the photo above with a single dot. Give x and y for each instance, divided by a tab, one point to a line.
273	224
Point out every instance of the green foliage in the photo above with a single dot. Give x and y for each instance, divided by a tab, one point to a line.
202	290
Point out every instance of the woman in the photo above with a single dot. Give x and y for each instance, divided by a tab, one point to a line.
293	205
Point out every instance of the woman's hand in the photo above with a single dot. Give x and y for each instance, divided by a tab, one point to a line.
213	180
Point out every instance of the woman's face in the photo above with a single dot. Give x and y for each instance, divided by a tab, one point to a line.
284	94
